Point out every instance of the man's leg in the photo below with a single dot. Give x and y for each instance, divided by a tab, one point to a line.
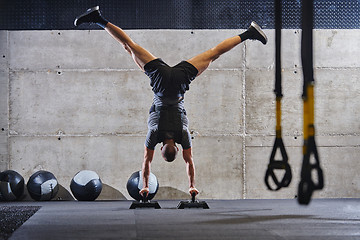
190	169
202	61
140	55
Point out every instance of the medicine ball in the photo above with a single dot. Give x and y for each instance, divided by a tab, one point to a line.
11	185
42	186
135	184
86	185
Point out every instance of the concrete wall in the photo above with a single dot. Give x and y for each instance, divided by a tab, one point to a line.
74	100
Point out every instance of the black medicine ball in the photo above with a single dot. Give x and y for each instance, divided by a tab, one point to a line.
11	185
86	185
42	186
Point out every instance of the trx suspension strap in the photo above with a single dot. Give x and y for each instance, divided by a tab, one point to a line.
278	164
307	185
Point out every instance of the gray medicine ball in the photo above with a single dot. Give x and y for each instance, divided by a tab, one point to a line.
135	184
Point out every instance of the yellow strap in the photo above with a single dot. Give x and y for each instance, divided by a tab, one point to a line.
309	106
311	129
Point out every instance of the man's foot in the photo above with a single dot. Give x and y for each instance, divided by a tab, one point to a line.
258	34
90	16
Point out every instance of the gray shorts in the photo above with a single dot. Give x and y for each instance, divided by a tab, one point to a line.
152	135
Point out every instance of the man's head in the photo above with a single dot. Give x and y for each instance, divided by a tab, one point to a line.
169	150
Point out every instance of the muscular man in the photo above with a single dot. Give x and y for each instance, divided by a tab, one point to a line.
167	120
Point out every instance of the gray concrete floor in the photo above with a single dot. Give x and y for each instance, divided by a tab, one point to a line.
226	219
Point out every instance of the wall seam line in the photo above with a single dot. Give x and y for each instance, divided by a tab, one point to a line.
244	121
8	98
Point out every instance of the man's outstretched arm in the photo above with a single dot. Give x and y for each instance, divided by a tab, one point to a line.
146	168
190	169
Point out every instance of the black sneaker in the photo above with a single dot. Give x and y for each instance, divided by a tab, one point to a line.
258	33
90	16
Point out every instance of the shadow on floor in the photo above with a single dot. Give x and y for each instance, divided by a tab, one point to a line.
170	193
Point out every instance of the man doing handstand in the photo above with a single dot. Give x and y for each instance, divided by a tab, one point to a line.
167	121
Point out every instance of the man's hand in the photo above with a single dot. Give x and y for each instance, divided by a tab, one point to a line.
144	191
193	190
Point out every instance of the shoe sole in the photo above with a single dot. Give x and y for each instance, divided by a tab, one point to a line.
90	10
257	27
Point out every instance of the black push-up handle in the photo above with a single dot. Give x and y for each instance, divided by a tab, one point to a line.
144	195
193	194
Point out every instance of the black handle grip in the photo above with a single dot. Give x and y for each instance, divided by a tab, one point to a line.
145	197
307	185
193	194
305	190
279	165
